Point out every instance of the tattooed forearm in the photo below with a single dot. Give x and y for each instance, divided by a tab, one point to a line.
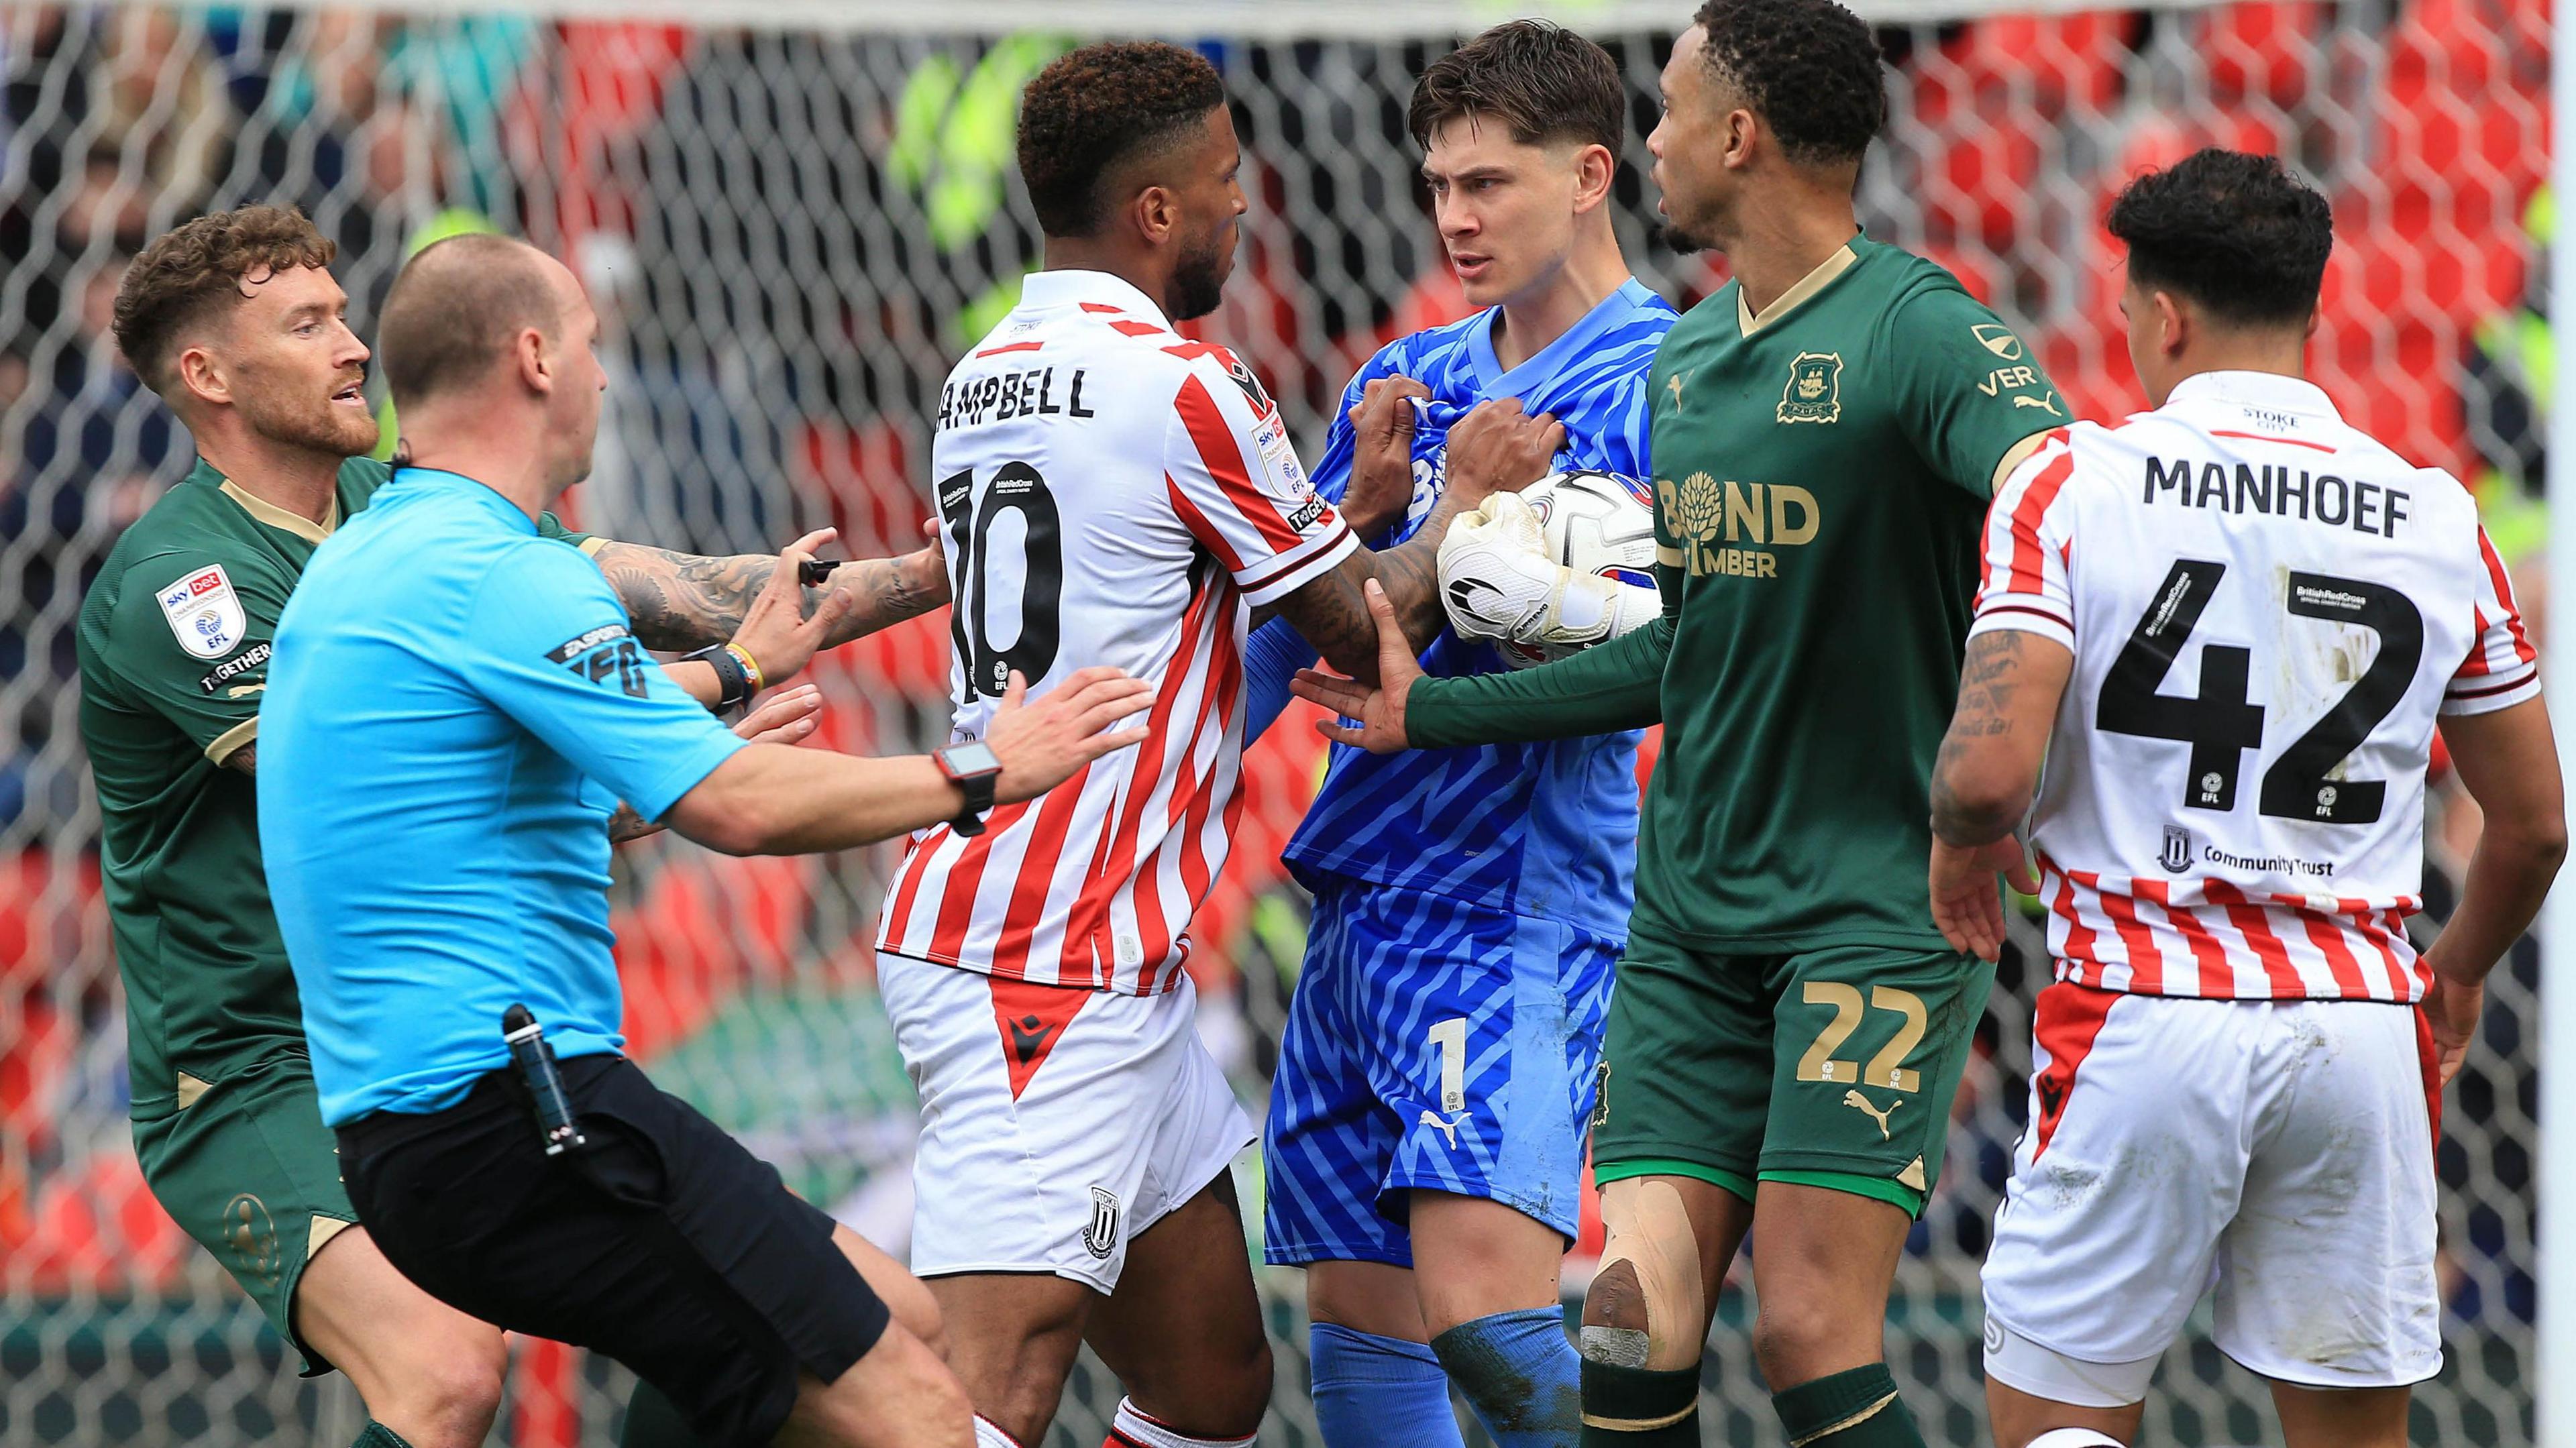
626	825
1332	612
682	601
1980	787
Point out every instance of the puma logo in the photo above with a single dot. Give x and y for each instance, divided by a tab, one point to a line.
1448	1125
1860	1103
1029	1036
2044	404
1673	385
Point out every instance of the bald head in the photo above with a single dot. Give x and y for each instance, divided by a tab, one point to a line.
456	314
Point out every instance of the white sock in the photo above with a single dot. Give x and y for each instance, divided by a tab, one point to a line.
988	1436
2076	1438
1133	1426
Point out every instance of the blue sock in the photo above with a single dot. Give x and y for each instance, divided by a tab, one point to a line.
1379	1392
1519	1372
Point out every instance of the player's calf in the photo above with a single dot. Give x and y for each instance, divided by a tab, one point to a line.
1645	1319
897	1395
1822	1269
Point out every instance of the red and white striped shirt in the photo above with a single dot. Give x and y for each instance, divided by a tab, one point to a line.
2267	610
1110	493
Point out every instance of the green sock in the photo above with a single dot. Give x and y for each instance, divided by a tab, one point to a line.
1639	1407
654	1421
1855	1409
377	1435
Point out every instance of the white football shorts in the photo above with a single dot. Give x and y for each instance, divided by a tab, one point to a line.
1056	1124
2281	1151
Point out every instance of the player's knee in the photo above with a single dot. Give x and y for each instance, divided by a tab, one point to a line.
1806	1335
446	1395
1644	1308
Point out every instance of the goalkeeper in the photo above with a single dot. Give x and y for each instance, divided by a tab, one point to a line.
1425	1142
1789	1026
235	321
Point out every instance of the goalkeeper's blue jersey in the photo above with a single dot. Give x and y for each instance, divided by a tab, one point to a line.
1546	829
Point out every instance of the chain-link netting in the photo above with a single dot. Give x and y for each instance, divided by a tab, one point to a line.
789	237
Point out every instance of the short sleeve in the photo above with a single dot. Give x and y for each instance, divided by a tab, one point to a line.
550	526
1968	390
191	637
1237	486
547	643
2026	553
2502	668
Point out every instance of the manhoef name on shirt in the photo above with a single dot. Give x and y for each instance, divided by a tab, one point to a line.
2279	492
1715	519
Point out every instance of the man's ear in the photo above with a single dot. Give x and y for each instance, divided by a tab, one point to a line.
1738	133
1155	213
2174	324
536	368
1594	169
200	375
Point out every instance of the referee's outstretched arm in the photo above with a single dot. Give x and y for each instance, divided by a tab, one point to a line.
773	799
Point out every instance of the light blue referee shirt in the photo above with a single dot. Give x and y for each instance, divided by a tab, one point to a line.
454	709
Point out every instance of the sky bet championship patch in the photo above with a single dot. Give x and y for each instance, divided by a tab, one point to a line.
204	613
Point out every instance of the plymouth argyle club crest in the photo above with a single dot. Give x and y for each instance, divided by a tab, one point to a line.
1815	390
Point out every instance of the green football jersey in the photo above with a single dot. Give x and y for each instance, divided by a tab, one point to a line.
174	648
1820	475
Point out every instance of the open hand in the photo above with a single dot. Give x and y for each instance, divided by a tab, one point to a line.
775	630
1380	490
1379	710
1041	744
1497	448
1964	902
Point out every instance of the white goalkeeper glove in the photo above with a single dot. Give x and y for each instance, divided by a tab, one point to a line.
1498	582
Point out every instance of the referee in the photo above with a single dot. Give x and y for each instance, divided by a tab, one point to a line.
455	705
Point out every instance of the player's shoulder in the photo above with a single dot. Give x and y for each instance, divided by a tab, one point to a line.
193	526
359	480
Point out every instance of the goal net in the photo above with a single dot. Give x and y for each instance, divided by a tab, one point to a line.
792	216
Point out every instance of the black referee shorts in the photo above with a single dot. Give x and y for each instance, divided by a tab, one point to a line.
664	1244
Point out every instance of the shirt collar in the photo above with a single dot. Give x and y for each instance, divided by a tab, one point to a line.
1070	287
1493	380
2270	391
483	492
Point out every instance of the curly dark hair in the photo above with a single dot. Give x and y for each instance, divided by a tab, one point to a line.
1809	68
197	271
1096	108
1543	81
2235	232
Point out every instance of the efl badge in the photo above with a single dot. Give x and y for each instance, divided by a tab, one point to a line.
204	612
1815	390
2177	852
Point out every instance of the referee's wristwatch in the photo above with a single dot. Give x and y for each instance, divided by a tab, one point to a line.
976	769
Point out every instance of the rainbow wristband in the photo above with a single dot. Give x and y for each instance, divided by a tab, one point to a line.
750	670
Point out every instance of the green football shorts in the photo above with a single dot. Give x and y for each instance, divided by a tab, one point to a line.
248	1169
1832	1067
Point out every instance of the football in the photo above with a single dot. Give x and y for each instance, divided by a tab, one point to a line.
1595	522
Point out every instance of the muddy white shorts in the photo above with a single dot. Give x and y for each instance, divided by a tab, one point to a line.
1056	1125
2281	1151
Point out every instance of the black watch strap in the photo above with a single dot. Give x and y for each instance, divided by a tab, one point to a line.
733	686
977	783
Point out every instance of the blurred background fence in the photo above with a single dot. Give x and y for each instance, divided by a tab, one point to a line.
791	232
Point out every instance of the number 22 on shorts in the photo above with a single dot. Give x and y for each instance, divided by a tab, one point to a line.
1885	1069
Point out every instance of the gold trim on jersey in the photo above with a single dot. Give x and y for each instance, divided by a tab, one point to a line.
190	1088
231	740
2015	456
322	1229
263	511
590	546
1796	296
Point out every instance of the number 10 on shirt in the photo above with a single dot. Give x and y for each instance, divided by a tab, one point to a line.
1034	571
